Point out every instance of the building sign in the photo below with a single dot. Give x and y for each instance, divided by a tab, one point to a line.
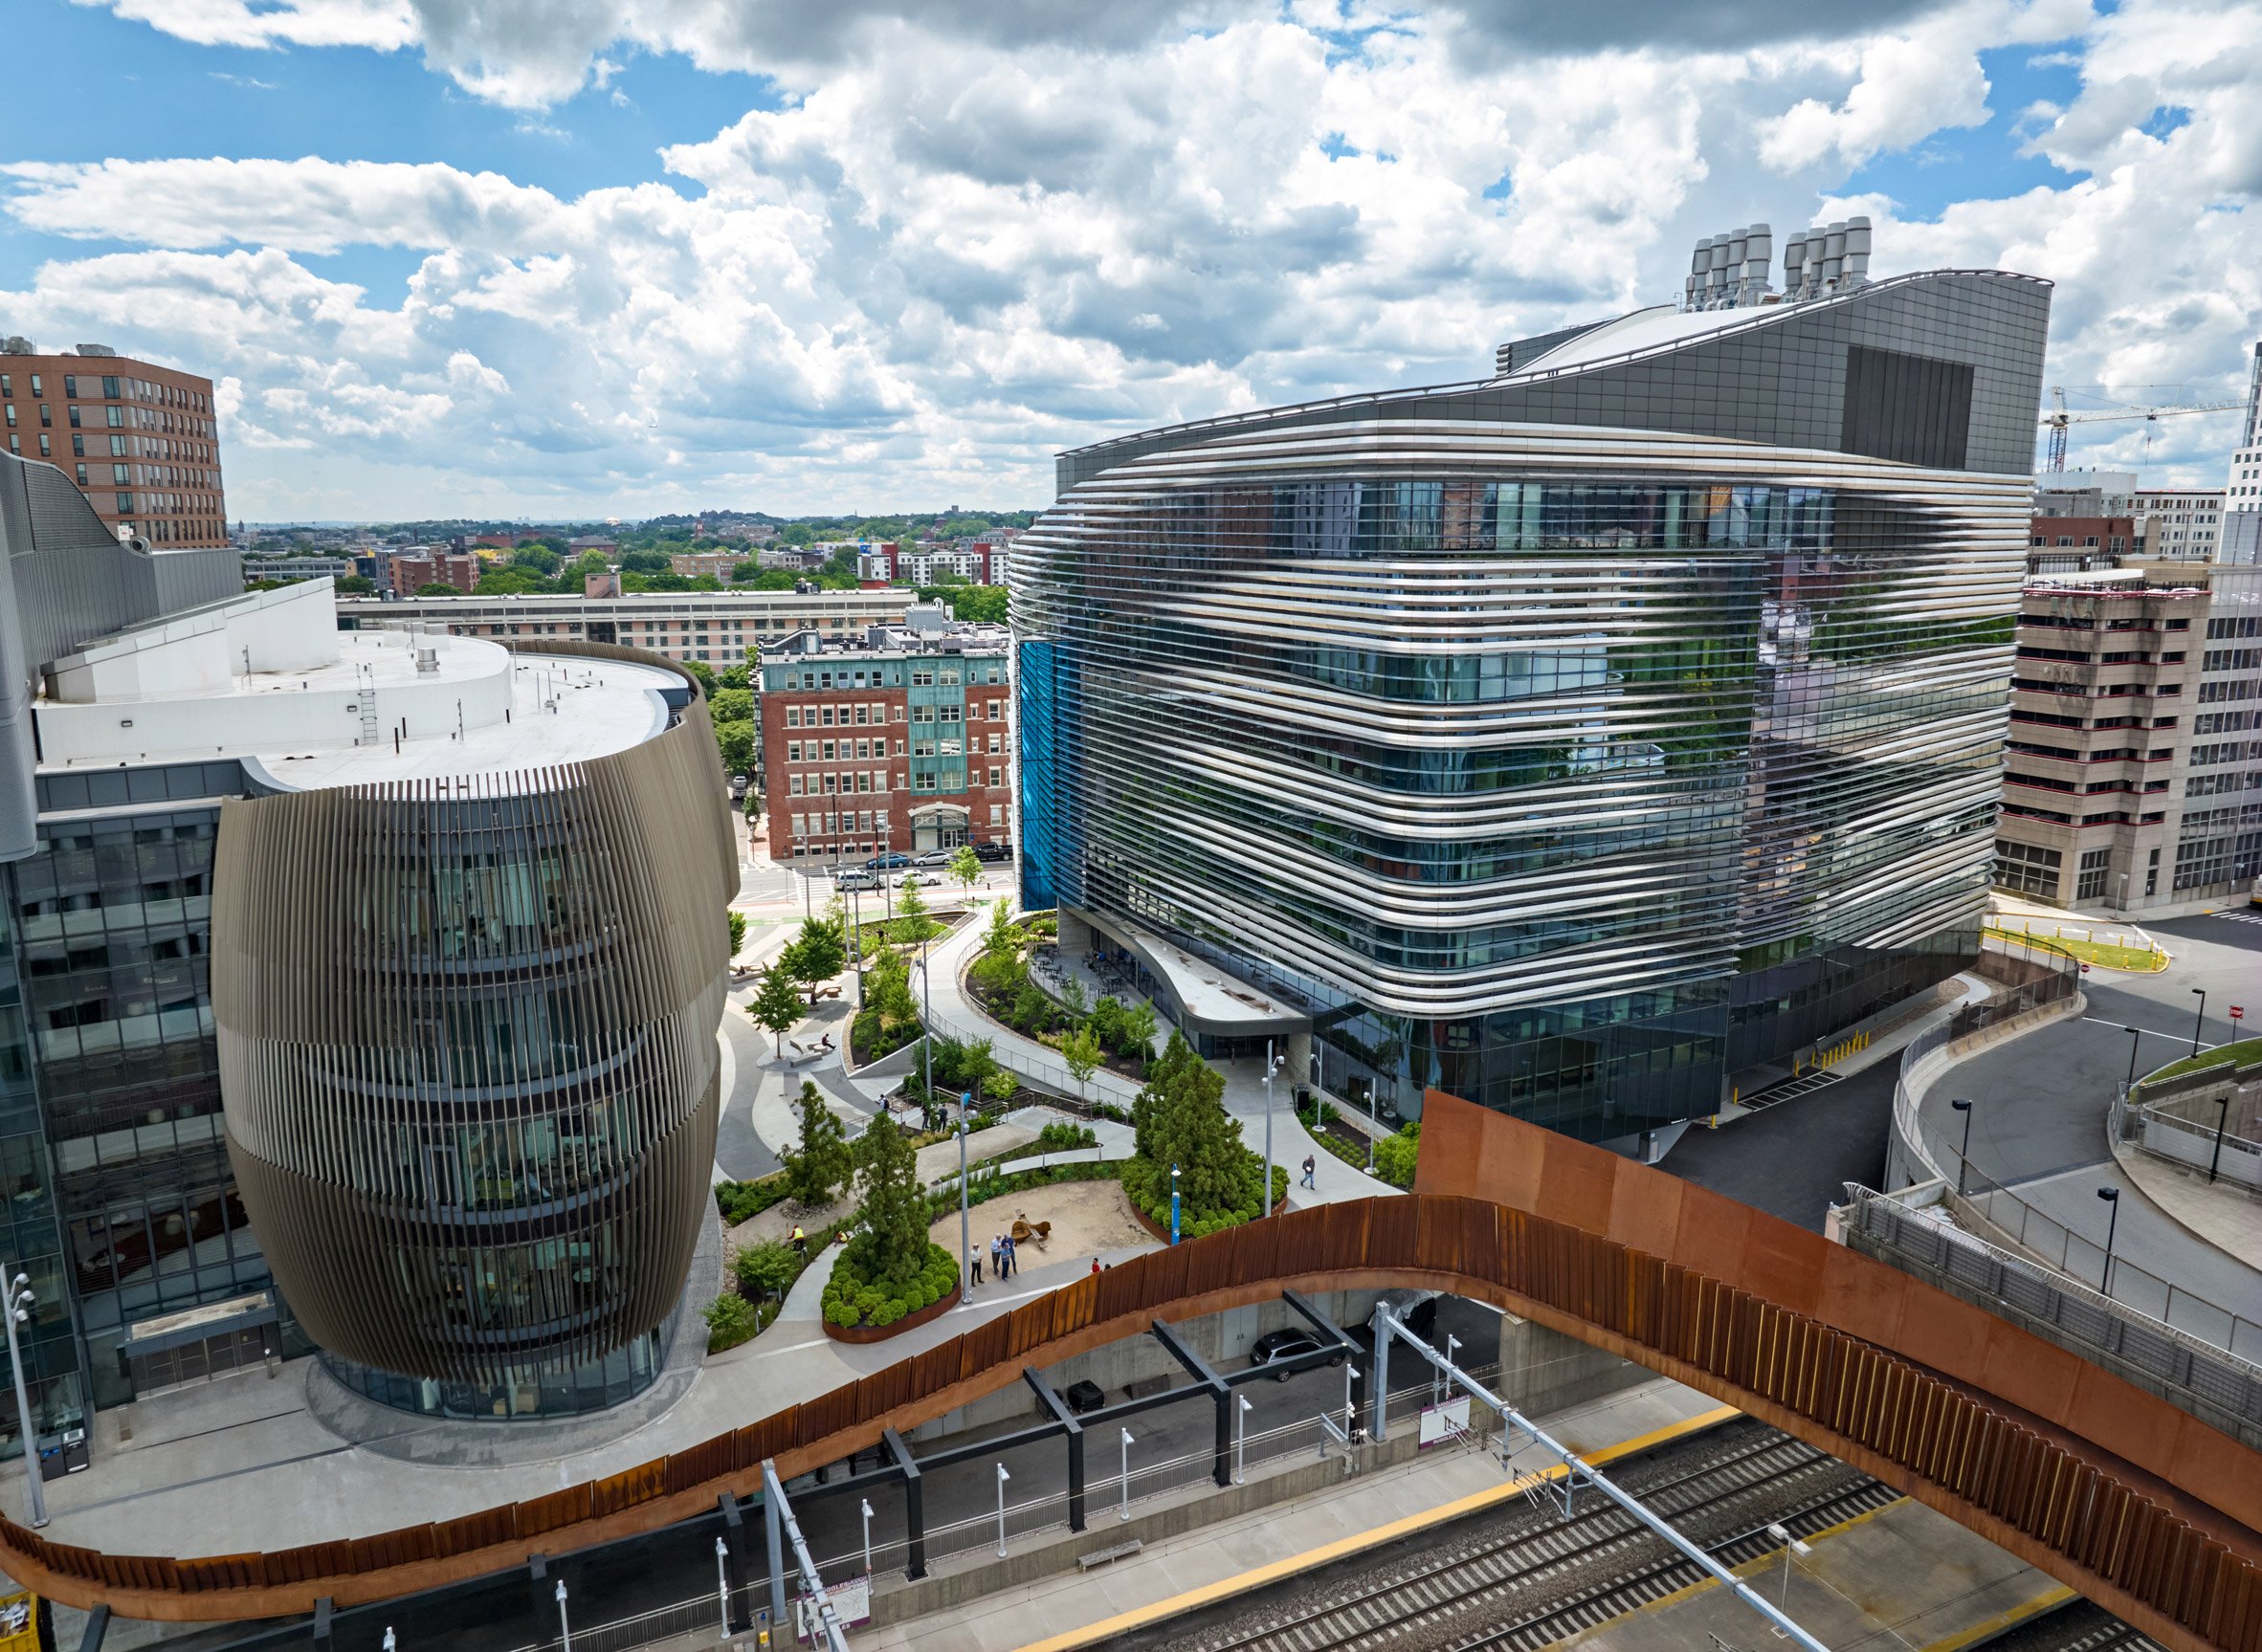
1447	1422
852	1604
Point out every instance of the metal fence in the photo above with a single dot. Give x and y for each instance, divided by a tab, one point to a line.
2196	1367
2151	1128
1106	1494
1979	1197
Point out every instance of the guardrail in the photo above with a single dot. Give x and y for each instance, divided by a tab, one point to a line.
2151	1129
2210	1377
1918	1155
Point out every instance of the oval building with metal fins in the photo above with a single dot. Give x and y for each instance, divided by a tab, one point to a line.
466	1023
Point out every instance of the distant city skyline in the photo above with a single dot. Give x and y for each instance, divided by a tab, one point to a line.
505	264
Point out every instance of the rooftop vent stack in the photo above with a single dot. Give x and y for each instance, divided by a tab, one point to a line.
1794	257
1700	275
1811	273
1716	275
1759	251
1732	272
1694	277
1833	256
1857	252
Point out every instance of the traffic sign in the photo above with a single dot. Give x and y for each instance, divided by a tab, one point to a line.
2237	1013
2085	969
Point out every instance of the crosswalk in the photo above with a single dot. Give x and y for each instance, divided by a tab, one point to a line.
1804	1085
2241	916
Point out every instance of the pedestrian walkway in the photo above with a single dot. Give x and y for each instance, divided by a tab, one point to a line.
957	1016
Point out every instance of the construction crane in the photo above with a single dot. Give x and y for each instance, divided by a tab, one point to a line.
2058	418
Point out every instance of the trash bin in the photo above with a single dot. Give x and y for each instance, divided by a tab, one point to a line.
1085	1395
1303	1096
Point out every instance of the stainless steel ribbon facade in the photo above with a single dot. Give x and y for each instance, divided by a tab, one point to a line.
1569	767
467	1042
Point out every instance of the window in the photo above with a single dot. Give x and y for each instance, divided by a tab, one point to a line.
829	751
37	388
994	775
997	814
9	413
110	386
113	417
120	474
82	475
863	714
118	446
801	826
72	415
46	415
2090	883
2026	868
46	446
792	716
792	751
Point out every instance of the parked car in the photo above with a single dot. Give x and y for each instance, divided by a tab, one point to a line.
993	852
1279	1347
887	862
934	857
853	878
914	880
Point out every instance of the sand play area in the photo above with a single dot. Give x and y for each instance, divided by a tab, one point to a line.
1087	1217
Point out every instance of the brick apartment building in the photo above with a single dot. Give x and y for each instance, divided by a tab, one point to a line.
410	571
715	565
899	740
139	439
2079	544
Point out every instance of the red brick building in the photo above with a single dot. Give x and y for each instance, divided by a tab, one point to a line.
897	741
140	440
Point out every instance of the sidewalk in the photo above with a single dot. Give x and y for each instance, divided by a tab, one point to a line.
958	1016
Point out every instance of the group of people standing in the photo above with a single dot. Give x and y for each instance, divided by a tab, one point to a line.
1005	1259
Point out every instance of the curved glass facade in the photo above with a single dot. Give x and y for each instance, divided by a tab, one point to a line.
467	1041
1568	769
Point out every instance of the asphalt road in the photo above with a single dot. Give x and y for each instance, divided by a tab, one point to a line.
2038	1122
1793	1160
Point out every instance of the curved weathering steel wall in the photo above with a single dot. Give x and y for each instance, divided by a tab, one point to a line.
2108	1489
467	1044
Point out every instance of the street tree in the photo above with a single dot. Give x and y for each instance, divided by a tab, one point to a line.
966	867
893	1248
1082	1051
738	931
777	1002
818	954
824	1163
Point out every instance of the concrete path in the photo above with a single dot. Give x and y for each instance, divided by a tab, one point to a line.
958	1016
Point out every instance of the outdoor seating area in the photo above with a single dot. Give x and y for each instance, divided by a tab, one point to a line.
1026	1231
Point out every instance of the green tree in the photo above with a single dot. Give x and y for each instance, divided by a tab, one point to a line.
1003	938
817	955
1073	994
438	590
1180	1119
738	931
824	1163
734	744
731	1319
643	562
701	672
729	705
891	1250
766	1269
355	585
911	925
777	1002
1082	1051
511	582
887	988
966	867
1138	1030
737	677
535	558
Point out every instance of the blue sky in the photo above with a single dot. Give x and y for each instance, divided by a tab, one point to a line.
661	255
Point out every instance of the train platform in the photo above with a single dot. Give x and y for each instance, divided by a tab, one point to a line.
1215	1562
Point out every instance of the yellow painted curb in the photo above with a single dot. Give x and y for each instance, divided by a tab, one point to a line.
2048	1600
1224	1588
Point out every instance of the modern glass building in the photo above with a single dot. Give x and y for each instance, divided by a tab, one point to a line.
1583	741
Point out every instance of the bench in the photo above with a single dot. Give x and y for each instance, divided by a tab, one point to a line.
1101	1556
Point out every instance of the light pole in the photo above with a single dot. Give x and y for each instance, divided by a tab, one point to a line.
1241	1411
2199	1025
2221	1118
19	1313
2133	1037
1123	1493
2112	1198
391	1645
965	1234
867	1536
1790	1546
1002	1477
1272	1064
723	1581
1962	1105
1174	1204
564	1629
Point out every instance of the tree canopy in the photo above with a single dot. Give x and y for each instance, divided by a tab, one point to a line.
824	1163
891	1250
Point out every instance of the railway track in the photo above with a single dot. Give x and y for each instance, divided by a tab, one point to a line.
2078	1626
1531	1577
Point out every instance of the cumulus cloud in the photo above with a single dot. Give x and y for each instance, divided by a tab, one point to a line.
975	234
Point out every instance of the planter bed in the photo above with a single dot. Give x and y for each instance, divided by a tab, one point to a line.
863	1333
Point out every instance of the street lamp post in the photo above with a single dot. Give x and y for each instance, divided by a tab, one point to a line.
1123	1494
1241	1411
565	1628
2199	1025
867	1535
1272	1065
723	1581
19	1313
2133	1036
1962	1105
965	1236
1790	1546
1002	1477
2112	1198
2221	1118
1174	1204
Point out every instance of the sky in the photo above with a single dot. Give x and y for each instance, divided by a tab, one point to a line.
599	258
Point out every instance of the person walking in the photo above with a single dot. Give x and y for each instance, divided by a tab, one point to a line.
997	1244
1096	1265
974	1261
800	1243
1012	1253
1311	1164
